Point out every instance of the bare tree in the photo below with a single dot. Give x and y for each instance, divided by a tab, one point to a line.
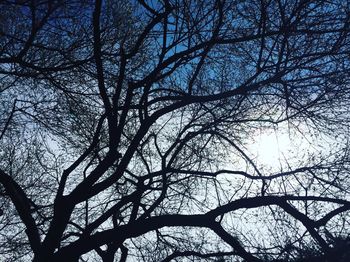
127	128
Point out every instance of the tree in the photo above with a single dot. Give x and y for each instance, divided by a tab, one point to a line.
126	129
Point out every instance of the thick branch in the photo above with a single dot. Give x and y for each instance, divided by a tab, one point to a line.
22	204
207	220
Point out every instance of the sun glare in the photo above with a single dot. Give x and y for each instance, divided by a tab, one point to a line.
272	148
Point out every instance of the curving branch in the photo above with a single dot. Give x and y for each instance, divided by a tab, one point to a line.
23	207
207	220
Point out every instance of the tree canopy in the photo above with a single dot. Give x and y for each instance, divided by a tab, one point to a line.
128	130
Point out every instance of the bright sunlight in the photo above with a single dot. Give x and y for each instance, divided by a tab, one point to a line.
276	148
